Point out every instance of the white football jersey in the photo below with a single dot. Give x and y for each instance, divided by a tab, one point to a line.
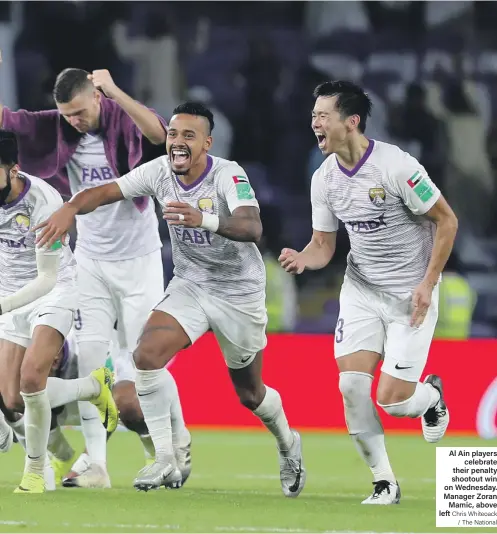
229	269
18	252
121	231
381	202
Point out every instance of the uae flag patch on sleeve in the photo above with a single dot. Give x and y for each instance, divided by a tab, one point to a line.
243	189
421	186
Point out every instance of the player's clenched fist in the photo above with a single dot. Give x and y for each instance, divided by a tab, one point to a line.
103	80
290	261
180	213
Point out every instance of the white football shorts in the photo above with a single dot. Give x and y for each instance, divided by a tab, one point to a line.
123	291
56	309
240	329
380	322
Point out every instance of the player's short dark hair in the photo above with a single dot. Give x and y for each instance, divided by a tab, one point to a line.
8	148
351	99
198	110
69	83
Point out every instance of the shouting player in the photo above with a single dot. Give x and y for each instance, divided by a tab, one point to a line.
401	233
89	140
218	283
37	302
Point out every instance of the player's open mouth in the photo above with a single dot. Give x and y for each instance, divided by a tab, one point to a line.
321	140
179	157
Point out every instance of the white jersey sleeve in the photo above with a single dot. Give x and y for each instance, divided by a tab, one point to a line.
323	218
141	181
411	182
235	187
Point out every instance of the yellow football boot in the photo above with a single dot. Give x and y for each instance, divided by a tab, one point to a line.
105	404
31	483
62	467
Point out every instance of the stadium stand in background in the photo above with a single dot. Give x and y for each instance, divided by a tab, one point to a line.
430	68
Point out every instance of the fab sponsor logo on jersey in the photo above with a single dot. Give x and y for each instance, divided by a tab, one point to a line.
367	227
20	224
14	244
243	189
96	174
197	236
421	186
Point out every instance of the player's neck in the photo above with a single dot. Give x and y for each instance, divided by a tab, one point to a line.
352	151
17	187
195	172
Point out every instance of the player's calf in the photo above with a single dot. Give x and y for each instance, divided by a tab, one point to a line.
426	401
161	339
130	413
405	399
265	403
35	369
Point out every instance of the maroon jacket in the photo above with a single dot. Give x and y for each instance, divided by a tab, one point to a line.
46	142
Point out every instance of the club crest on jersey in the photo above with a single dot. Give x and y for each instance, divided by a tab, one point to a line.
377	196
206	204
21	223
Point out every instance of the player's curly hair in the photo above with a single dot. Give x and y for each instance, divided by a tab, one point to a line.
198	110
8	148
69	83
351	99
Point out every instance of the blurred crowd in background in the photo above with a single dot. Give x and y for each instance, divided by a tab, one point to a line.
429	67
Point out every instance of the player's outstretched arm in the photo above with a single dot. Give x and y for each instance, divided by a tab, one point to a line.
48	266
60	222
146	121
316	255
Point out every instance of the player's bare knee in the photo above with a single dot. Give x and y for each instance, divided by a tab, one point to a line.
153	353
250	398
13	402
392	390
33	378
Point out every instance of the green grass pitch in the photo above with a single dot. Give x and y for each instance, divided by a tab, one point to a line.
234	487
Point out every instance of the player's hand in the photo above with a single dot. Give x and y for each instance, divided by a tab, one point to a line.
421	300
290	261
103	80
56	226
180	213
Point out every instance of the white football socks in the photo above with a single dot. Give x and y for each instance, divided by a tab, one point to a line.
270	412
62	392
37	418
155	390
425	397
91	356
364	424
5	428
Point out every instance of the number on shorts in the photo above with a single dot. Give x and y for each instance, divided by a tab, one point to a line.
339	330
78	321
